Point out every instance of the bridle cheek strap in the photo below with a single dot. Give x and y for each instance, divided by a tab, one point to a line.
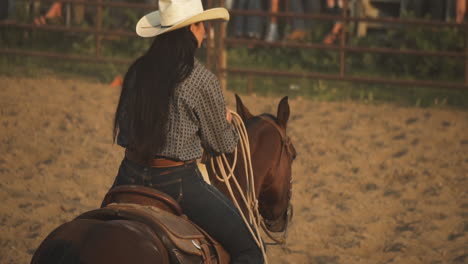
285	144
285	140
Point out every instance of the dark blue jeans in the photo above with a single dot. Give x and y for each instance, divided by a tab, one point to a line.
304	7
248	24
204	204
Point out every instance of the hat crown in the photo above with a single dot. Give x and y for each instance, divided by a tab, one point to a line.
173	11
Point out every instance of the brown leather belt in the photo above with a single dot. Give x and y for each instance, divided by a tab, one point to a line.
156	163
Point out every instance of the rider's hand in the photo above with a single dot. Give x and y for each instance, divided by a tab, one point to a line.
228	115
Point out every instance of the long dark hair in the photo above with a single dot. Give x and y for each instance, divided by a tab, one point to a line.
148	87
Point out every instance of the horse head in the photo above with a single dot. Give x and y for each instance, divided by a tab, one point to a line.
272	154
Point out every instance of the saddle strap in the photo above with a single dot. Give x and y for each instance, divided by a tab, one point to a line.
206	254
221	254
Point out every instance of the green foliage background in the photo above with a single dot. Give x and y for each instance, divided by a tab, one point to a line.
279	58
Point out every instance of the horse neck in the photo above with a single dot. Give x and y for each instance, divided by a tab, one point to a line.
271	184
264	153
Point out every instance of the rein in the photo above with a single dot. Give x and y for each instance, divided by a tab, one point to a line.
285	144
253	218
248	198
285	140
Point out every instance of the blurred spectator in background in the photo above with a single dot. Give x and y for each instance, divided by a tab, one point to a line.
54	13
7	9
125	18
461	10
248	26
228	4
4	9
272	30
433	8
335	7
11	9
298	26
121	18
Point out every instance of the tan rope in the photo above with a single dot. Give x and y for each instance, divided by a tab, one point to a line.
253	218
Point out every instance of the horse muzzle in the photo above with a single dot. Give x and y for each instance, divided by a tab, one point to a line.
281	224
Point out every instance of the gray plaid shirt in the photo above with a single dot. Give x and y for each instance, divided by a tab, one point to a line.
197	119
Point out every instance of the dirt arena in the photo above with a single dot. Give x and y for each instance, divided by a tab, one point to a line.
372	184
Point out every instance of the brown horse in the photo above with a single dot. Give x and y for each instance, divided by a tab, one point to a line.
137	224
271	164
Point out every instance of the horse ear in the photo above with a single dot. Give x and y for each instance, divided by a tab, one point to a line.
283	112
243	112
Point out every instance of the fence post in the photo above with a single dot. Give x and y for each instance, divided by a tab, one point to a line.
210	41
210	46
466	54
99	28
344	16
222	52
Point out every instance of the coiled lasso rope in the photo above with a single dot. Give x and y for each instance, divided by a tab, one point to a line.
249	199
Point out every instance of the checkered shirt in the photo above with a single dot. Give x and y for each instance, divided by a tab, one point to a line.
197	119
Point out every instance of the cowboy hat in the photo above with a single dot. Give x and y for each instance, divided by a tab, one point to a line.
175	14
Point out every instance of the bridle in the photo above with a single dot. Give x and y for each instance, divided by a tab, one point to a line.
248	197
286	147
286	143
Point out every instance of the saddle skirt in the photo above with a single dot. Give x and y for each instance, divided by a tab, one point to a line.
184	241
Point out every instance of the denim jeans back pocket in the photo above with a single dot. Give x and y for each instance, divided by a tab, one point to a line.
169	185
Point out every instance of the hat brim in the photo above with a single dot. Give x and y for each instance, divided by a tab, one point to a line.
150	24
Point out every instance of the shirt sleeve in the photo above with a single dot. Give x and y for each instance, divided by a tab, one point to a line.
216	134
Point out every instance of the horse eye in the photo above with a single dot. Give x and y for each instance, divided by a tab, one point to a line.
294	153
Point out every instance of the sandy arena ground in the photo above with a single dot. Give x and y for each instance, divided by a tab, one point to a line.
372	184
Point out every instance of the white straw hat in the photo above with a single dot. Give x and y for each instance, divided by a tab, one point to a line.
175	14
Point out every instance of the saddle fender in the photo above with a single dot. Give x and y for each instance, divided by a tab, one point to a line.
185	242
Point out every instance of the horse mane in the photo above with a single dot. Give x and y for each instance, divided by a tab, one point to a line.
258	118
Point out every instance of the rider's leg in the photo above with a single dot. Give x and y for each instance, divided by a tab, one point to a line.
211	210
202	203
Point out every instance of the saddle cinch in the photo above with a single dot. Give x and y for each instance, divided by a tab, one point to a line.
185	242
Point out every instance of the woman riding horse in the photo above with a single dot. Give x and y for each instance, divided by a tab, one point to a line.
170	108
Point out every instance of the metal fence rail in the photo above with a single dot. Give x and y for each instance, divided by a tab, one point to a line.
217	41
98	31
343	49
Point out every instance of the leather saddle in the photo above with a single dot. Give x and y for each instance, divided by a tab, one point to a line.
185	242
